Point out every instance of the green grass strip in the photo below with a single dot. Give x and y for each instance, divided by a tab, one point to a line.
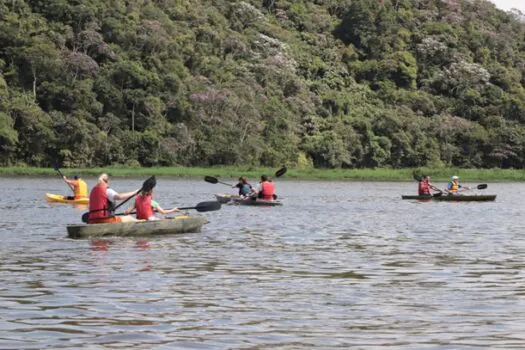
441	174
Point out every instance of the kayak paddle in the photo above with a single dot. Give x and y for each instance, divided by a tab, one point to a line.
148	185
281	172
62	176
204	206
214	180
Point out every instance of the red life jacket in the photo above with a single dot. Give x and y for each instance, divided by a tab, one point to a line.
267	189
98	199
143	207
424	188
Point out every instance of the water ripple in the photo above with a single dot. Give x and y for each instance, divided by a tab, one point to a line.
345	265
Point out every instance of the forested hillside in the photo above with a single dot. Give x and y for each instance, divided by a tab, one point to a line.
324	83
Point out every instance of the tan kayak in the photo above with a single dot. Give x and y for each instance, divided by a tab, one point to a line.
179	224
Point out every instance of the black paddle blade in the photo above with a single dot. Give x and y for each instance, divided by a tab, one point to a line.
281	172
482	186
85	217
149	184
417	177
211	179
208	206
205	206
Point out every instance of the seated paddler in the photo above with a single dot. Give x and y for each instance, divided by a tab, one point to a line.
146	207
79	187
245	189
425	187
102	200
266	189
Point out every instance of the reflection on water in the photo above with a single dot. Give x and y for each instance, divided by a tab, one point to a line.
340	265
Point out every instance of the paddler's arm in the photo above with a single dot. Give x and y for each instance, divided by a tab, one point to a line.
130	209
70	182
435	188
124	196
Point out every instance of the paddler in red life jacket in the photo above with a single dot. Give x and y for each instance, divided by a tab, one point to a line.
102	199
425	186
266	189
146	206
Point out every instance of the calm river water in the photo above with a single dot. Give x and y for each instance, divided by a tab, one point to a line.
339	265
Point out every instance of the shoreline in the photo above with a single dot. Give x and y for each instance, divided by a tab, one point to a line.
233	172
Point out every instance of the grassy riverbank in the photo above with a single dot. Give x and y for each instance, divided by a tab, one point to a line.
441	174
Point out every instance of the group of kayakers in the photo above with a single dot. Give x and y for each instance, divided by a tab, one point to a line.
265	189
425	187
103	199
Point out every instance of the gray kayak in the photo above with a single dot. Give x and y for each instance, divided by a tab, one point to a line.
455	198
225	198
255	202
176	225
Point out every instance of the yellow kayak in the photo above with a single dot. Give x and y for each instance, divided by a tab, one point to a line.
56	198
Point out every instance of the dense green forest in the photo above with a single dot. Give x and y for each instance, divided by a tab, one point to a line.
324	83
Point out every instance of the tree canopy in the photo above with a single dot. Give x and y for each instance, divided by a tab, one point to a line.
324	83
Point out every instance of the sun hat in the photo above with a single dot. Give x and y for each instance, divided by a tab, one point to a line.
455	177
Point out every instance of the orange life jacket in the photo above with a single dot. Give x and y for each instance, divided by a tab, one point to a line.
80	188
98	202
107	220
143	207
267	189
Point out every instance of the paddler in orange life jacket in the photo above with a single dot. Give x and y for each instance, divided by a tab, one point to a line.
266	189
145	207
454	186
79	187
102	199
425	186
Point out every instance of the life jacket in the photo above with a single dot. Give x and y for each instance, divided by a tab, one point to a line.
99	205
424	188
453	187
107	220
267	190
143	207
80	187
245	189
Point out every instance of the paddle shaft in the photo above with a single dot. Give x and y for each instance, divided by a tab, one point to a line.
147	185
62	176
478	187
134	212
